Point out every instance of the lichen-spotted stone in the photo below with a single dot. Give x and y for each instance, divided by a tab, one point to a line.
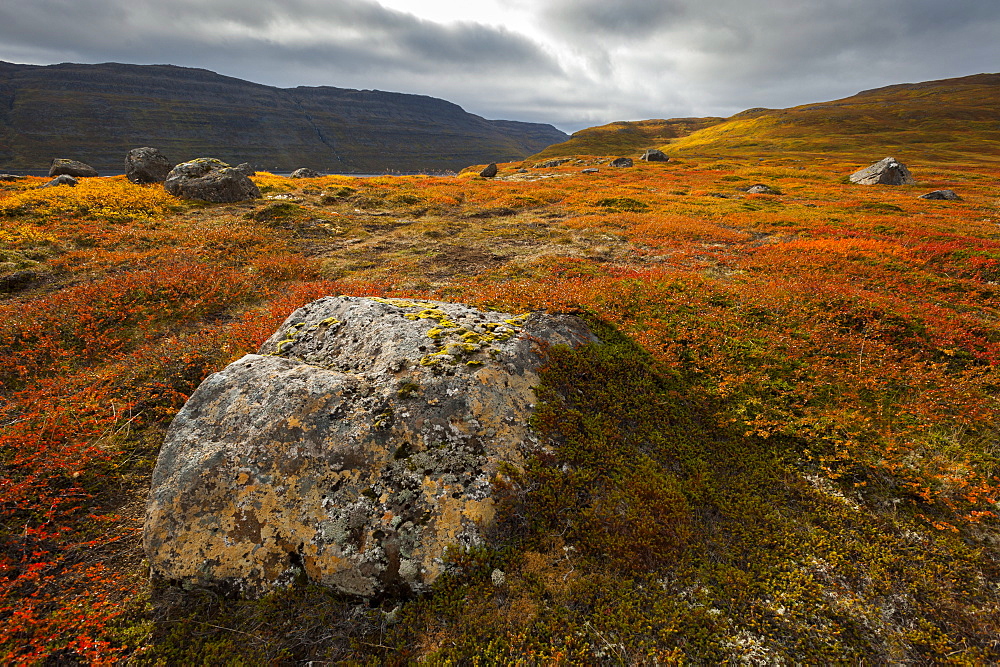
354	449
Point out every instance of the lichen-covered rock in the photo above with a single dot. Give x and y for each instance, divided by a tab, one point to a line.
354	449
147	165
65	167
304	172
654	155
887	171
622	162
209	179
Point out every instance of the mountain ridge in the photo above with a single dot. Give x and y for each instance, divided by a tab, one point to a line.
96	113
944	119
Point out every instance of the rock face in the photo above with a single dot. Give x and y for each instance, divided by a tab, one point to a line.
622	162
941	194
147	165
64	167
884	172
654	155
60	180
354	449
208	179
304	172
245	169
101	110
490	171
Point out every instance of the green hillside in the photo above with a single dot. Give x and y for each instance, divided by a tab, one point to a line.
626	137
945	119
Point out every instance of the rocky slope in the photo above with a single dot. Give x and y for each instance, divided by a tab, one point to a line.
96	113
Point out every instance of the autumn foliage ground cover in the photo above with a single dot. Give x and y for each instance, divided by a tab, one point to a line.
786	449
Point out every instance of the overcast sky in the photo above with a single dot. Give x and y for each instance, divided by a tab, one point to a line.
572	63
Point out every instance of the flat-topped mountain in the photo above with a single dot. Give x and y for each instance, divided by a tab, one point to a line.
941	119
96	113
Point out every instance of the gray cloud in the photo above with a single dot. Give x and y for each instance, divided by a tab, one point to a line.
586	62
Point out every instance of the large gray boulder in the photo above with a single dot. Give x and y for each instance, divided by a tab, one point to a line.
490	171
147	165
304	172
66	167
887	171
622	162
208	179
353	450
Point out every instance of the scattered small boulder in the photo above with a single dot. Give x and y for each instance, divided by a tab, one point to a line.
304	172
147	165
622	162
758	189
490	171
354	450
552	164
4	178
65	167
590	170
887	171
60	180
941	194
654	155
212	180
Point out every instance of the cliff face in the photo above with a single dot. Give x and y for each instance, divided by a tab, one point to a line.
96	113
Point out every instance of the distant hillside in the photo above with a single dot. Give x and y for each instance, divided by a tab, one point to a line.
96	113
935	119
626	137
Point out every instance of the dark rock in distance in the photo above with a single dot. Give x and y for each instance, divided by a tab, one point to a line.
654	155
942	194
212	180
622	162
304	172
353	451
887	171
63	166
590	170
17	281
490	171
147	165
64	179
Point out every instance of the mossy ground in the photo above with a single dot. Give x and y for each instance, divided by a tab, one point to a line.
785	449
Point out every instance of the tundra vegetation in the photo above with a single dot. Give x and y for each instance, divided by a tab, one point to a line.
786	449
